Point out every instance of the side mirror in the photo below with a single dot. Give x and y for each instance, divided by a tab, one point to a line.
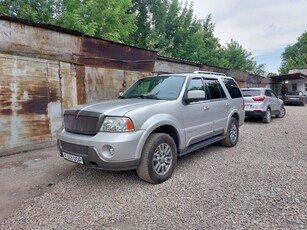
195	95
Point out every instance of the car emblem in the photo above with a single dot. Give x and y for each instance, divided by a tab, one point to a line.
76	114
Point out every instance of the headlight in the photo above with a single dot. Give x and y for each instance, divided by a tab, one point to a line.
117	124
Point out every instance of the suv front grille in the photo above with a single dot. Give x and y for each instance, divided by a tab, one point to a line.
82	122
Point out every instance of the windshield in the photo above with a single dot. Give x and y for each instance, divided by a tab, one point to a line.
159	87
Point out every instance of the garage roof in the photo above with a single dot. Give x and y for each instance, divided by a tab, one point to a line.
292	76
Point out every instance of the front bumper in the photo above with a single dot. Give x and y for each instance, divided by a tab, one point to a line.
95	150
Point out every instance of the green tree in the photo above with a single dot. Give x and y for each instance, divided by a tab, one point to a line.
187	40
212	48
294	55
171	28
139	36
236	57
34	10
108	19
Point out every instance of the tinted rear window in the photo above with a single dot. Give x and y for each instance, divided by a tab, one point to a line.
250	93
215	89
232	88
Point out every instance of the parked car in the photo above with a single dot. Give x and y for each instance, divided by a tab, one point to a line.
157	119
294	97
262	102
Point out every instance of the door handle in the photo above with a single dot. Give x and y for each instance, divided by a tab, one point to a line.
227	104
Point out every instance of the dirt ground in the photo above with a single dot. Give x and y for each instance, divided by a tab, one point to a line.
29	174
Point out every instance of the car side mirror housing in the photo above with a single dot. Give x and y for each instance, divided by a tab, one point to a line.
195	95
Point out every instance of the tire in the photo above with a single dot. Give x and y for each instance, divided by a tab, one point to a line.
281	113
267	116
232	134
159	158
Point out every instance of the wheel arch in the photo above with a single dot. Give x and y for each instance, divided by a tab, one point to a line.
235	115
171	131
160	127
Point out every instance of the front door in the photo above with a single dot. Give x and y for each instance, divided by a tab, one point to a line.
198	115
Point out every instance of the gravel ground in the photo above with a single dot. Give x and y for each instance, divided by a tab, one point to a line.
261	183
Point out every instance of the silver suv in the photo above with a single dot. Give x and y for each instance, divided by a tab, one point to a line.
262	102
156	120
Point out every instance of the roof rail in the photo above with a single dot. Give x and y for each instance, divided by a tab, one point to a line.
209	72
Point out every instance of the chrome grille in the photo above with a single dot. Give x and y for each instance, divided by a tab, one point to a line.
82	122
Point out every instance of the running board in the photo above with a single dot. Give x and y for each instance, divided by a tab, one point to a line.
199	145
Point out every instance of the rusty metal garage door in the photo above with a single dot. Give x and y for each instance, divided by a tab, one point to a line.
30	102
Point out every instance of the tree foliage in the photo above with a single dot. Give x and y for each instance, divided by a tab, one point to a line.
171	28
294	55
167	26
34	10
235	57
100	18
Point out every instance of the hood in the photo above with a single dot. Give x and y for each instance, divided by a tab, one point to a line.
118	107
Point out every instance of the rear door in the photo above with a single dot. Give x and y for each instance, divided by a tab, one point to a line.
273	100
218	105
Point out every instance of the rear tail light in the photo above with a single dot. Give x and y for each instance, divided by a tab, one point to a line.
243	104
259	98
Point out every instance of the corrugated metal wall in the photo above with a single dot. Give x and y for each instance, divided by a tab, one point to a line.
103	84
30	101
48	71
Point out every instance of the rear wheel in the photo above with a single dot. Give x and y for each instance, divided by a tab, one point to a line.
267	116
282	112
159	158
232	133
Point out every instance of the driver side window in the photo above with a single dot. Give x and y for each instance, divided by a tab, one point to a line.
196	87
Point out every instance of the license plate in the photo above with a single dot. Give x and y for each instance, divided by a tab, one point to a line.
73	158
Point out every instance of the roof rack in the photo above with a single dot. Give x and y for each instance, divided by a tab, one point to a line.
208	72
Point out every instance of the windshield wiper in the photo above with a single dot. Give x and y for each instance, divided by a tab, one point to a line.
146	96
122	97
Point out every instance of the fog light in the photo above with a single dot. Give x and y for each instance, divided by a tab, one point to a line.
112	151
107	151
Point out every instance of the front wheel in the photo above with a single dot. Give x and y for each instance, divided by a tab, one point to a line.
232	133
159	158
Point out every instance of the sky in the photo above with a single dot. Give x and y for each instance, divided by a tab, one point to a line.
263	27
